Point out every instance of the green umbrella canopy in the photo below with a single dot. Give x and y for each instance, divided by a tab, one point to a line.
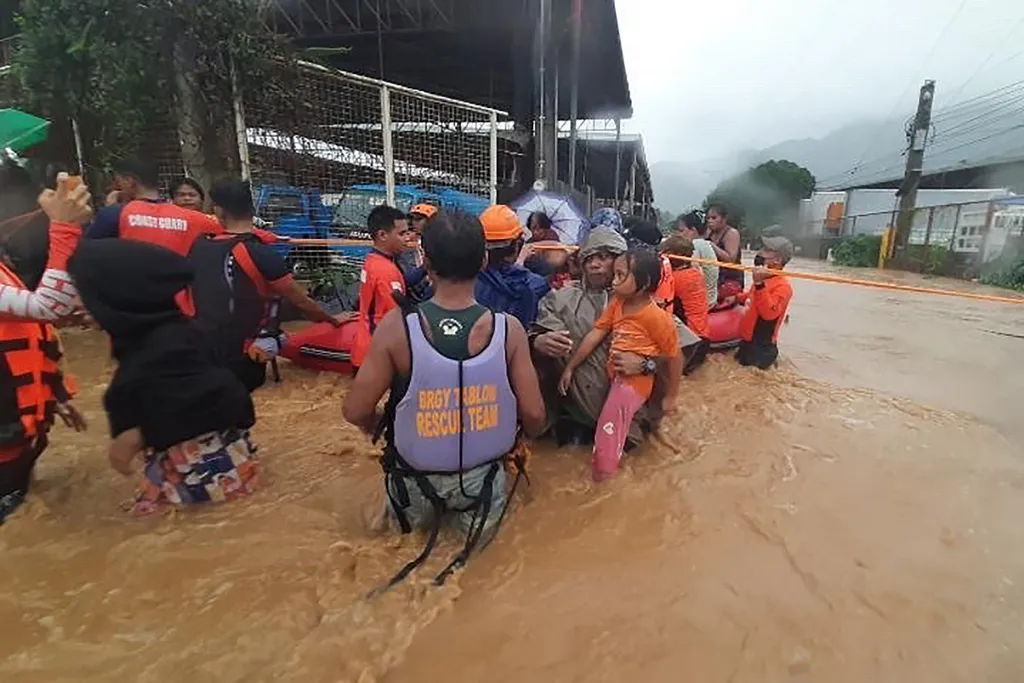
20	130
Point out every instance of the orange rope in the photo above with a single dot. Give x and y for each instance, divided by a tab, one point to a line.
834	279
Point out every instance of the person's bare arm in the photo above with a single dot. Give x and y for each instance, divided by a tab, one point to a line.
675	374
732	244
375	376
125	447
730	250
523	378
288	288
587	347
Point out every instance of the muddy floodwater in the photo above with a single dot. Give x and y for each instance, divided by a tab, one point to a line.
854	516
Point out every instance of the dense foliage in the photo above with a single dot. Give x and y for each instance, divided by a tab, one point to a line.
859	251
119	66
1009	275
763	195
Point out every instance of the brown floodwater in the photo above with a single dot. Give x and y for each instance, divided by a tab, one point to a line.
852	516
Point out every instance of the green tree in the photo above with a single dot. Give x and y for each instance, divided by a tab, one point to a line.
763	195
119	67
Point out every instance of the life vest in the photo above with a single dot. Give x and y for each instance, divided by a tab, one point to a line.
30	377
429	430
433	433
232	302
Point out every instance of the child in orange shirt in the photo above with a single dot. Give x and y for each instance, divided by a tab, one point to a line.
689	302
638	326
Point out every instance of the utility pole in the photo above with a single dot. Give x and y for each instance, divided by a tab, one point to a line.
918	139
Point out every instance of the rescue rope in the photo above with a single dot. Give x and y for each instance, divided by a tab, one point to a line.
834	279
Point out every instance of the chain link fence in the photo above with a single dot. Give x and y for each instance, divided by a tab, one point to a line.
324	154
966	236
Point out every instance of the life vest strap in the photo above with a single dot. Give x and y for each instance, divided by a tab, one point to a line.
8	345
244	260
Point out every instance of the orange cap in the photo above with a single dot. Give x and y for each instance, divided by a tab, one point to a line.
426	210
501	224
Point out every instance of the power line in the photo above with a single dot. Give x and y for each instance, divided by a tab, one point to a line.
987	137
961	109
991	54
981	100
993	107
984	125
868	148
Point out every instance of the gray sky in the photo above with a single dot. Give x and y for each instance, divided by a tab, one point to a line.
709	77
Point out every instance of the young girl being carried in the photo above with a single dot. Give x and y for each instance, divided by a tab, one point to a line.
637	325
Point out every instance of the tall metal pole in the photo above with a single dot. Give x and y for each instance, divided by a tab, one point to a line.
555	118
915	162
539	132
494	158
574	97
388	148
618	158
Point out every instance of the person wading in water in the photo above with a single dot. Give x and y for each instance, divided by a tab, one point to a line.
461	383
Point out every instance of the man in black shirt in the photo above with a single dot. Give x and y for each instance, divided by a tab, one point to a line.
238	283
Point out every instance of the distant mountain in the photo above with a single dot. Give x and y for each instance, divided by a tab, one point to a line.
876	145
861	153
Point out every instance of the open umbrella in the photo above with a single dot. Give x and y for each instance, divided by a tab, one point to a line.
20	130
566	217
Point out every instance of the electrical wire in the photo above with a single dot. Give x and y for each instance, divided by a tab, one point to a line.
1015	93
991	54
985	115
938	41
990	124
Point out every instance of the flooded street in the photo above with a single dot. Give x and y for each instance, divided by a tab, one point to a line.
853	516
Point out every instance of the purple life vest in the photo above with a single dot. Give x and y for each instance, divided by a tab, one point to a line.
428	429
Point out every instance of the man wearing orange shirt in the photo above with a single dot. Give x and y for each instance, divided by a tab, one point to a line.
769	299
380	277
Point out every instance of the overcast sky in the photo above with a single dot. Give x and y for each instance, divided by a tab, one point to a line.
709	77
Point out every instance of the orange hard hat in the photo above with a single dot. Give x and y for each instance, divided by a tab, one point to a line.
425	210
501	224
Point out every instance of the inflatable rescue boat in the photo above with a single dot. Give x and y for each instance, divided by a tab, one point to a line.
724	327
322	347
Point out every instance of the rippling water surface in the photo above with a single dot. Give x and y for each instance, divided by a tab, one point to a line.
854	516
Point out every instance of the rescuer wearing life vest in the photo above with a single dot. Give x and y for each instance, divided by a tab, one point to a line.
461	383
32	386
145	216
238	283
769	299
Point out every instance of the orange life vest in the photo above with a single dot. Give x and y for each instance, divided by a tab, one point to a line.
30	376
